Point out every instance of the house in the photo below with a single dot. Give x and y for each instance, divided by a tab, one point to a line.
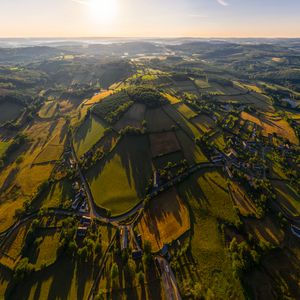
81	231
86	221
295	230
137	254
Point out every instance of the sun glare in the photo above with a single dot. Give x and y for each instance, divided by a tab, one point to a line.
103	10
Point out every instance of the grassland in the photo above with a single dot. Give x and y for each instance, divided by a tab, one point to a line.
88	134
165	220
9	111
119	183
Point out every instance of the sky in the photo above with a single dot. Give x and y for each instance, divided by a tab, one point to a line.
149	18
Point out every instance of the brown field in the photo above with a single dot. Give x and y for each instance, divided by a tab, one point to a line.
271	125
163	143
166	219
133	117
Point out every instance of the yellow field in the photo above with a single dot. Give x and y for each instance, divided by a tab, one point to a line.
99	97
166	219
172	99
186	111
271	125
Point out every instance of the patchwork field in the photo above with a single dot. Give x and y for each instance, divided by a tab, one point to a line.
119	183
172	99
166	219
88	134
163	143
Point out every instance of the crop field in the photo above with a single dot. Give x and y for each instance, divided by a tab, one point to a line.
88	134
219	141
48	110
99	97
204	123
133	117
171	98
130	164
185	86
163	143
186	111
166	219
157	120
270	125
54	149
191	151
9	111
208	201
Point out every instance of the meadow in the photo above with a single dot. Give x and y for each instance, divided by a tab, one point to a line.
118	183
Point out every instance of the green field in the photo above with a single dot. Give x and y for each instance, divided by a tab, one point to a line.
208	263
58	194
3	147
119	183
9	111
192	152
88	134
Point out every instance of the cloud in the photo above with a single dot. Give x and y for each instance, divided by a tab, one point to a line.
223	2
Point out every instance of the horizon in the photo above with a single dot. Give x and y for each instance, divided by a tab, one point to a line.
140	19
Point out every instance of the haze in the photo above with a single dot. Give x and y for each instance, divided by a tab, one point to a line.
156	18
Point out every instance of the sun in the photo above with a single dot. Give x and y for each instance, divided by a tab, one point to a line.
103	10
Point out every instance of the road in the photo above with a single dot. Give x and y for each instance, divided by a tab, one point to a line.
169	280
